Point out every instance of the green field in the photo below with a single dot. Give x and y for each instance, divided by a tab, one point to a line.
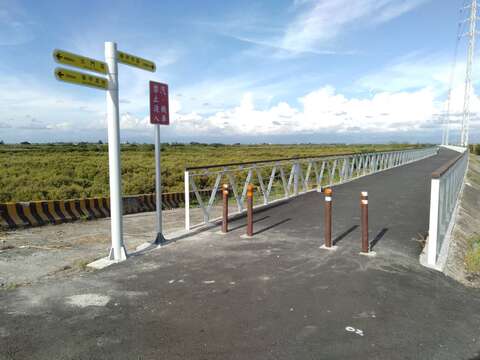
67	171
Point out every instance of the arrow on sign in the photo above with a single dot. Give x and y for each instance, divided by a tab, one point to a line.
136	61
79	78
68	58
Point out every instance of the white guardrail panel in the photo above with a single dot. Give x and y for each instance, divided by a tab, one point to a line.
446	186
277	180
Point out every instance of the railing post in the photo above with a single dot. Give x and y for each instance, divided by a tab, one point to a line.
225	208
433	224
353	166
319	176
295	178
187	200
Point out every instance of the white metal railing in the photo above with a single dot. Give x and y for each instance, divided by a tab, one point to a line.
277	180
446	185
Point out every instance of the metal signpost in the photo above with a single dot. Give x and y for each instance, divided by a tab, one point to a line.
110	84
159	115
117	251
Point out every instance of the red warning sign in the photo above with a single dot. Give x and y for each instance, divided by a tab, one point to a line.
159	113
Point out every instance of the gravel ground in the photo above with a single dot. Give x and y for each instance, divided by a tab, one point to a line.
53	251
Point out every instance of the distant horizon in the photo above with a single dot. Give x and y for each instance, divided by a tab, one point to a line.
146	137
193	143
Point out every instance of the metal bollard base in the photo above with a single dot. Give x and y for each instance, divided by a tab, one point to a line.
331	248
160	239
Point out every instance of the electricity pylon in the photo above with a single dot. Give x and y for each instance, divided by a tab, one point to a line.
472	33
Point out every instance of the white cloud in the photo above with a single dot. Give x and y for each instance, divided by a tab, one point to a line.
312	26
456	108
321	21
26	103
396	9
320	111
129	121
29	105
417	71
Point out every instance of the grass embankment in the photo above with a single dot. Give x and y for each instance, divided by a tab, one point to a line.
67	171
472	258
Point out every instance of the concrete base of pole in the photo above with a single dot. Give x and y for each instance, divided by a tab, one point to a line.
123	255
245	236
370	253
160	239
331	248
221	233
101	263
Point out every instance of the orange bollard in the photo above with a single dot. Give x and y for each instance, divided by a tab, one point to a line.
250	210
328	218
327	231
225	208
364	220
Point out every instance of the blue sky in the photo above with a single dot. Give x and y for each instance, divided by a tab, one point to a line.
244	71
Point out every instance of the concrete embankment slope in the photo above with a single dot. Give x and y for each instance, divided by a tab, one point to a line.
467	226
275	296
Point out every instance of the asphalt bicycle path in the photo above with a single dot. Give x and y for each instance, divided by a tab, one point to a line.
277	295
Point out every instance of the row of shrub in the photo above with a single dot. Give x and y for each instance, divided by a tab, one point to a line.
66	171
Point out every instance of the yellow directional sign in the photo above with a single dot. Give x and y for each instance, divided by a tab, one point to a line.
79	78
67	58
136	61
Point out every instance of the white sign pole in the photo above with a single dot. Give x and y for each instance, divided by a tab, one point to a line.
117	251
158	185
